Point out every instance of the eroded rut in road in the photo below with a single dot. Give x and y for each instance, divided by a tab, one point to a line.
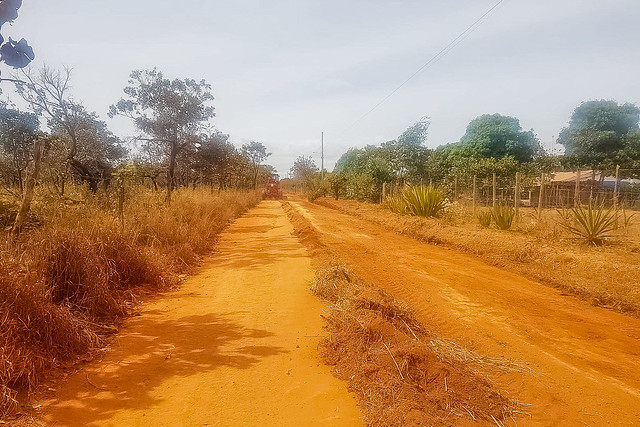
236	345
587	358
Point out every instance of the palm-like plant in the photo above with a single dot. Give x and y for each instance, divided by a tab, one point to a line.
424	200
593	222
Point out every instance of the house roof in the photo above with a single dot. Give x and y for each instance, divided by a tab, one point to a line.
585	175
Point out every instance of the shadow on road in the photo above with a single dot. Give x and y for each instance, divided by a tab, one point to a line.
156	352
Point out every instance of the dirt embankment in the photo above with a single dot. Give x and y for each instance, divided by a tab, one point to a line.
603	276
585	359
236	345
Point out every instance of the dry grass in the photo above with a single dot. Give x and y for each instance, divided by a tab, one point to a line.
537	248
71	278
402	373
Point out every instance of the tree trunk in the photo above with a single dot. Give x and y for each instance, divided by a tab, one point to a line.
171	171
33	170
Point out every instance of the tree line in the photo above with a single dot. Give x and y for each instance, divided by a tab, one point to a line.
176	145
600	135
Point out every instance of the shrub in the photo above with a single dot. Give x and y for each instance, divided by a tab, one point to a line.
484	218
503	216
593	222
426	201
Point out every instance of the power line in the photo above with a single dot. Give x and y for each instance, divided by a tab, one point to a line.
432	60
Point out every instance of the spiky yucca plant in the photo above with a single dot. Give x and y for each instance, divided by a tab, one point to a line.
593	222
503	216
424	200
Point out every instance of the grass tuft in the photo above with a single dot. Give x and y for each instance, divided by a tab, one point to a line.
484	218
502	216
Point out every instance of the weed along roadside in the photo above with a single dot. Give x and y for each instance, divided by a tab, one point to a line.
70	281
576	362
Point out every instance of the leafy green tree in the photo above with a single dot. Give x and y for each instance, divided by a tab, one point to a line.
338	183
601	134
407	154
495	135
170	113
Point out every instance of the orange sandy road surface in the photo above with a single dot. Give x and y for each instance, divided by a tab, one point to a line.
588	358
235	346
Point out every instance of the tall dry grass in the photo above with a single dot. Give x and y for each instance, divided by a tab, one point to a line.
78	270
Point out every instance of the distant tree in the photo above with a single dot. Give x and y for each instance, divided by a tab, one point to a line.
601	134
305	171
352	161
495	135
170	113
416	134
256	152
217	159
18	131
338	183
85	144
407	154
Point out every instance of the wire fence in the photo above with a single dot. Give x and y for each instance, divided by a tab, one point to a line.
553	190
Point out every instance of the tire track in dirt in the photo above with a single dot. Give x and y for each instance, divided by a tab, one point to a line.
236	345
588	358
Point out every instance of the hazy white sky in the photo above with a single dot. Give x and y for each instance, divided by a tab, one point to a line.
283	71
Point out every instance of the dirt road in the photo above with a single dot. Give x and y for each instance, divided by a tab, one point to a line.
235	346
587	358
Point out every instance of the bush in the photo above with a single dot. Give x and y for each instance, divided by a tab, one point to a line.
484	218
593	222
503	216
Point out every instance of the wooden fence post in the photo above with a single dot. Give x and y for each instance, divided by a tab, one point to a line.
616	188
576	197
494	189
541	195
474	194
516	197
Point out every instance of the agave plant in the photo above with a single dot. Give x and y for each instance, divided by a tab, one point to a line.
593	222
424	200
503	216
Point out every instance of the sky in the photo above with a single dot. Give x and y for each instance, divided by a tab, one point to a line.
282	71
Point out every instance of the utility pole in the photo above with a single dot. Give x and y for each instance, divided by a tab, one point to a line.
322	160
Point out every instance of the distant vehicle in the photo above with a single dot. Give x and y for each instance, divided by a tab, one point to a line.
272	190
